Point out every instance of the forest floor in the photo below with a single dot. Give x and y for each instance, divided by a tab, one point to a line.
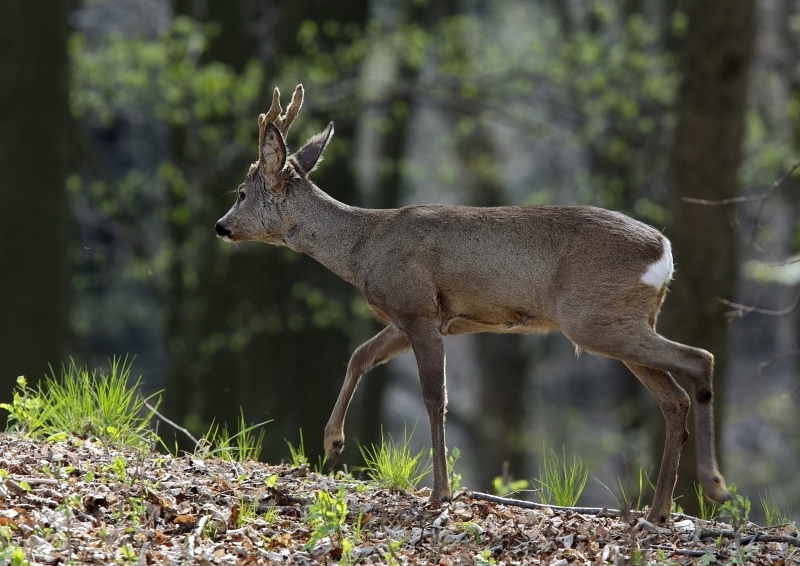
82	502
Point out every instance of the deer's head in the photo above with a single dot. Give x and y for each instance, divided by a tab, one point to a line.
260	211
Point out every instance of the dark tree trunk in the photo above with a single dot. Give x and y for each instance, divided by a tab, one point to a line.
707	152
35	250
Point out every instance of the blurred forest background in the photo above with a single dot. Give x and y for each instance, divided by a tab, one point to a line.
125	125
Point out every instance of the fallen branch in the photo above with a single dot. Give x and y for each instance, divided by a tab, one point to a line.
747	539
604	511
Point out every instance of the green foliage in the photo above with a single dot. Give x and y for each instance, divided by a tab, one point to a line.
707	509
484	558
297	454
164	73
561	483
393	465
25	411
772	514
737	510
390	556
455	478
503	485
241	446
326	517
85	403
627	496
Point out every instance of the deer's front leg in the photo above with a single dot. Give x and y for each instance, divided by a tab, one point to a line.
379	349
428	346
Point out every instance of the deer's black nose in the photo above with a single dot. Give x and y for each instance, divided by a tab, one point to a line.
222	232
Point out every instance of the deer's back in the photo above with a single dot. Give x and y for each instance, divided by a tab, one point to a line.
504	268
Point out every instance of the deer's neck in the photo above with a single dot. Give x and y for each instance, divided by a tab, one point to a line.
328	231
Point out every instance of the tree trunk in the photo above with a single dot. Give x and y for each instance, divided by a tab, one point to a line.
35	251
706	155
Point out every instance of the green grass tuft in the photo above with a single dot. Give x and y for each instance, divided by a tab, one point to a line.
561	483
83	403
241	446
392	465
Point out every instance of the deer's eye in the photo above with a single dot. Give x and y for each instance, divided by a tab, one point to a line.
241	196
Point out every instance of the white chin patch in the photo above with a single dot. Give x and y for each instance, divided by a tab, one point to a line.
660	272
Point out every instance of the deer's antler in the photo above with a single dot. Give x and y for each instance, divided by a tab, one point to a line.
283	123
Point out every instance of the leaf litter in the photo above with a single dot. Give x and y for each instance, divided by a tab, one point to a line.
83	502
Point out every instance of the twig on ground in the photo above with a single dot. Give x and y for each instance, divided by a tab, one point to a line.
603	511
172	424
747	539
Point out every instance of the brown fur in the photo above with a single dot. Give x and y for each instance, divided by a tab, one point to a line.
431	270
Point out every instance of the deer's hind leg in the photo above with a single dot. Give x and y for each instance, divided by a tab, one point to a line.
637	343
379	349
695	366
674	404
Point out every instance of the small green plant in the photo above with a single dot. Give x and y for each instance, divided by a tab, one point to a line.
561	483
13	555
84	403
473	530
118	466
241	446
707	508
128	553
504	486
326	517
297	454
25	410
392	465
270	515
484	558
390	556
455	478
349	543
737	510
772	514
627	496
247	511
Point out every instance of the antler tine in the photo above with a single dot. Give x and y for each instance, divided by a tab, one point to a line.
261	121
274	110
285	122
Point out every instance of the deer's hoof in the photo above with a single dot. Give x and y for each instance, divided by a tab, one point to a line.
716	490
333	451
439	496
657	517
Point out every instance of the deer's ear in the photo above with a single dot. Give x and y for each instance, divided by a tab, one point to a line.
272	153
310	154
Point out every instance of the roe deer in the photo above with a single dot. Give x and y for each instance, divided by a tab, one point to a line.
597	276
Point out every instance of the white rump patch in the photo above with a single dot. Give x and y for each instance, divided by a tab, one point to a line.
660	272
